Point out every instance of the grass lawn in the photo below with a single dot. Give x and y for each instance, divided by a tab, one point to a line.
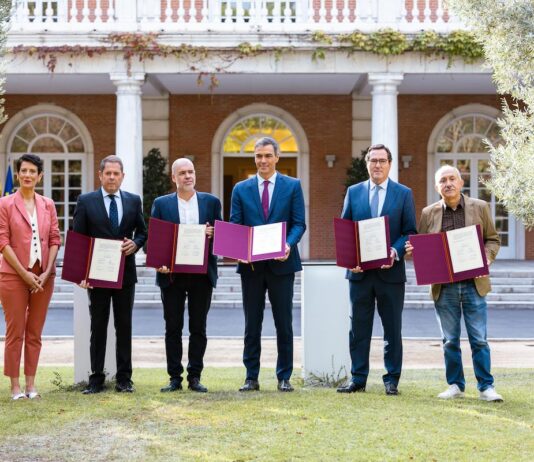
309	424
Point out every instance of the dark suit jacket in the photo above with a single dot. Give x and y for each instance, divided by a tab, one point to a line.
91	219
287	204
209	210
477	212
399	207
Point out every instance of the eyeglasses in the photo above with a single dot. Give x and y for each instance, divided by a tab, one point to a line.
378	161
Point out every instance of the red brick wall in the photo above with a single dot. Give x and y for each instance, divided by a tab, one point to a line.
327	122
97	112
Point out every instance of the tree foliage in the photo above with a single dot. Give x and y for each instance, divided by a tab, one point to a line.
156	180
5	9
357	172
506	30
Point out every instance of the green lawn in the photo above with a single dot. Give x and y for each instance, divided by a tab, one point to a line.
309	424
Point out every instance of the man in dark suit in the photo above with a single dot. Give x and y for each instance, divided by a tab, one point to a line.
186	206
269	197
379	196
110	213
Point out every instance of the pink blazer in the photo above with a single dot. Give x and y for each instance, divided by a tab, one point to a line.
16	230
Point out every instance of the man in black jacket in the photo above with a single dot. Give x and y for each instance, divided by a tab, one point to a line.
110	213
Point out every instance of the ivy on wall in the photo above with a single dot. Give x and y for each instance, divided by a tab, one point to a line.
210	62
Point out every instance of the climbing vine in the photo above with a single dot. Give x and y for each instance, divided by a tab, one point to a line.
145	47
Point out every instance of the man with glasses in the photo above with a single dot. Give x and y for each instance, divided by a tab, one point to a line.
379	196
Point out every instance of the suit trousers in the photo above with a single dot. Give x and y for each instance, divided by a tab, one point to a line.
99	309
254	285
197	289
25	315
389	299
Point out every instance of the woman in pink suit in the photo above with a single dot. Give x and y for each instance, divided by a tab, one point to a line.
29	242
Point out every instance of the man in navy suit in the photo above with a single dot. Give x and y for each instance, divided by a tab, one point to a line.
111	213
269	197
186	206
379	196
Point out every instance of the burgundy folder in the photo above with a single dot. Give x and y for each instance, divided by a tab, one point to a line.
235	241
77	262
432	260
348	254
161	248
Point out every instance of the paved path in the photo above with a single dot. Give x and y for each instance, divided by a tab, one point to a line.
230	322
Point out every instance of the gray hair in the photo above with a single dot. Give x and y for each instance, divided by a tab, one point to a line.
443	168
181	160
112	159
268	141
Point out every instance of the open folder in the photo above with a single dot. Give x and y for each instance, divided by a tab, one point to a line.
363	243
451	256
249	243
100	262
181	248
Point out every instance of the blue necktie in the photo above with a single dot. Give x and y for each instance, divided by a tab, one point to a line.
114	215
374	202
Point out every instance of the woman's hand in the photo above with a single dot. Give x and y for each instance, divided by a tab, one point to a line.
33	281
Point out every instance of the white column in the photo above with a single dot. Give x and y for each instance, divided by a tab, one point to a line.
127	15
385	119
325	322
129	129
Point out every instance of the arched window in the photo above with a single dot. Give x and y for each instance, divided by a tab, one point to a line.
56	139
242	136
460	142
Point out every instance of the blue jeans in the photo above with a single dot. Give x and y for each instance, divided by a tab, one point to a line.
454	299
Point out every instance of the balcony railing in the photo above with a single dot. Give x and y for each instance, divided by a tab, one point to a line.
237	16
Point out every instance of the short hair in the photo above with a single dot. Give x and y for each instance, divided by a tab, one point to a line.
32	159
376	147
440	171
180	160
268	141
111	159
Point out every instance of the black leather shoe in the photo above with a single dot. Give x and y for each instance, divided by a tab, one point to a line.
174	385
391	389
250	385
195	385
93	389
284	385
351	387
124	387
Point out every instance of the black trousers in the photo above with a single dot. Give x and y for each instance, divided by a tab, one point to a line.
197	289
389	300
279	288
99	309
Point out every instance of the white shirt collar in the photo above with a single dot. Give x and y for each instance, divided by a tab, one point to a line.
272	179
383	185
106	194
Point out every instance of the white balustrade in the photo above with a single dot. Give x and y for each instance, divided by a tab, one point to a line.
232	15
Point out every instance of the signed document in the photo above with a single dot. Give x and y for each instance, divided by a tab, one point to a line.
106	260
464	248
373	239
267	239
190	245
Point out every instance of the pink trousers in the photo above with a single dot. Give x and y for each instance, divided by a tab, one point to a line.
25	315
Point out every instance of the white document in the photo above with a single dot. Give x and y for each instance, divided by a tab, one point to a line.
373	240
191	245
464	248
106	260
267	239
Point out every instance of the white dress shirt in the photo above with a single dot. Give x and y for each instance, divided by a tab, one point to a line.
118	201
188	210
271	181
35	243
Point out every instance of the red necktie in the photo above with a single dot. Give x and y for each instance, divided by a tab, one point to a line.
265	199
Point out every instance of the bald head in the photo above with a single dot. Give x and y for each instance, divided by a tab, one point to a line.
183	175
